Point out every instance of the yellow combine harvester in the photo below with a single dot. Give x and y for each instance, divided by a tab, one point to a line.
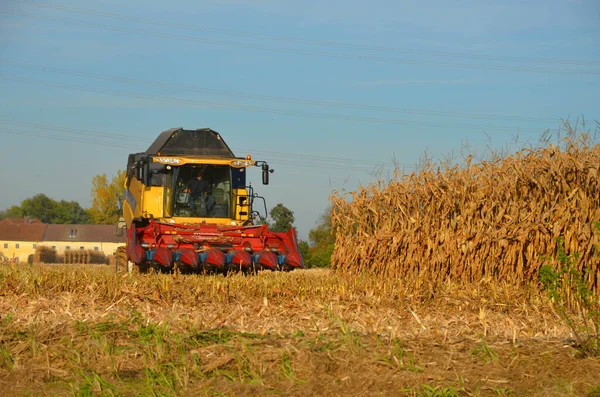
187	204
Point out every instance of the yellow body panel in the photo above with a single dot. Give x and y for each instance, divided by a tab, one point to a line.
132	205
145	202
240	208
152	202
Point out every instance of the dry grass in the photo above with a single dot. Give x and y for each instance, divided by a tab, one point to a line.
84	330
499	218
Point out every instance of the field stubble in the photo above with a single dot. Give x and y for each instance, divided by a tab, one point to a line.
83	330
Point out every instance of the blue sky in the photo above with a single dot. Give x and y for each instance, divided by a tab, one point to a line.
329	93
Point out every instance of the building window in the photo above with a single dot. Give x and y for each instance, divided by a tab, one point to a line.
34	245
16	245
95	248
5	245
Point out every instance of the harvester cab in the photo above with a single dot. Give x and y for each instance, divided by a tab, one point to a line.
187	205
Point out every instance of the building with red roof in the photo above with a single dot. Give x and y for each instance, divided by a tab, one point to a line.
19	238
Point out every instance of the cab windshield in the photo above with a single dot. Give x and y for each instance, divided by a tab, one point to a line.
202	191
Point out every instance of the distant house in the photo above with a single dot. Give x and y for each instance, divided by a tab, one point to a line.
83	237
19	237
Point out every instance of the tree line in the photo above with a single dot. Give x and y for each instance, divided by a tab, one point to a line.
105	210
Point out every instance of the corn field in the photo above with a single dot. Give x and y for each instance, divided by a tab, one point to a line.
497	219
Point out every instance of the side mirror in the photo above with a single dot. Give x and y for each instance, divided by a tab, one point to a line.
266	171
141	168
265	168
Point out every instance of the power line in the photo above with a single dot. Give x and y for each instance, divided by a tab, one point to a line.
78	131
327	159
264	110
305	52
60	138
278	99
296	165
120	137
298	40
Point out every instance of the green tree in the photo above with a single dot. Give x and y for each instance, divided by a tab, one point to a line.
106	198
305	251
47	210
282	221
39	206
283	218
69	212
321	241
13	212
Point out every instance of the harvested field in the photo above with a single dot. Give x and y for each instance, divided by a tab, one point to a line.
84	330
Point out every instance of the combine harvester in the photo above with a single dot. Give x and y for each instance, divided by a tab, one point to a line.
187	206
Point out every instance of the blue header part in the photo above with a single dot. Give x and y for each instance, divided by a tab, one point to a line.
280	259
150	254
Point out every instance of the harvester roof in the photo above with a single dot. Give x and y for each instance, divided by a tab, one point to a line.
200	142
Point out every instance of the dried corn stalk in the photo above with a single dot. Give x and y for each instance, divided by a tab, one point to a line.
497	219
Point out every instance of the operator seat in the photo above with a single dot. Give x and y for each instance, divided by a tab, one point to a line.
221	208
